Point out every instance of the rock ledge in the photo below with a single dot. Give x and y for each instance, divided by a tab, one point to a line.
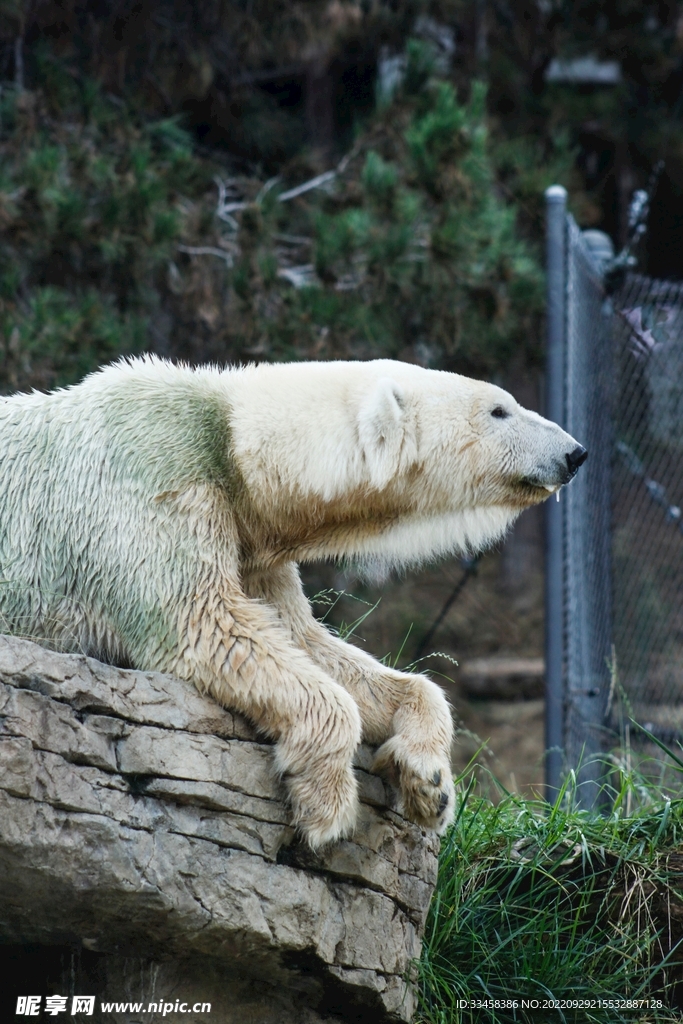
142	823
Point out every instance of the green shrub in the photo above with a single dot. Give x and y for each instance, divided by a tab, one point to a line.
90	214
414	250
109	226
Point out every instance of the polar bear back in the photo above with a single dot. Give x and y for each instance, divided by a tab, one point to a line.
88	480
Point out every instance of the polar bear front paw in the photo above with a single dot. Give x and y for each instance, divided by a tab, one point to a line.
424	781
325	804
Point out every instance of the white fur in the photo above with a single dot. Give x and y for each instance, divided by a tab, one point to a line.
154	514
415	540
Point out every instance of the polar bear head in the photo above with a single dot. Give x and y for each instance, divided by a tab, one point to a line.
389	463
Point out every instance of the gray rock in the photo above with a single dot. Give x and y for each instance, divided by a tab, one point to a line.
142	825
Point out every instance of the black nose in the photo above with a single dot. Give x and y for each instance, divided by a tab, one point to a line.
576	459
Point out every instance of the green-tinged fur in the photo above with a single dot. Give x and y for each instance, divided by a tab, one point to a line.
145	445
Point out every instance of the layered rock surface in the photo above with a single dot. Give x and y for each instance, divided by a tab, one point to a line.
142	823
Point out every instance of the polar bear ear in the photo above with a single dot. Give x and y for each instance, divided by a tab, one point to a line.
382	430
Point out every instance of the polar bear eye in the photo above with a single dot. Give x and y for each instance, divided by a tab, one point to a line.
500	413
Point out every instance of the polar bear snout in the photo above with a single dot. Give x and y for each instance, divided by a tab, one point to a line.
555	461
568	466
576	459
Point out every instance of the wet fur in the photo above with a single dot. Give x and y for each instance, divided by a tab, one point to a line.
154	515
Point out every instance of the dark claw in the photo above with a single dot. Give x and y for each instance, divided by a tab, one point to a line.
436	779
443	802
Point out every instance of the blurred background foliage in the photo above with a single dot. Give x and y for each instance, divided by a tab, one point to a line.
229	180
263	179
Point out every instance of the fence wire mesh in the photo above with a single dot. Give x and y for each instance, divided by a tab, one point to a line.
618	556
647	484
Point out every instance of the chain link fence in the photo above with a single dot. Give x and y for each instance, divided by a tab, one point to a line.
614	573
647	484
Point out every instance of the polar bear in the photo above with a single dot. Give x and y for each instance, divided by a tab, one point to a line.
154	516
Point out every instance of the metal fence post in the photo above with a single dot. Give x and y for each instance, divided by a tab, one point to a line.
587	520
556	204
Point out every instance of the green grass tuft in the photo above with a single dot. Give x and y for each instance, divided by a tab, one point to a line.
548	903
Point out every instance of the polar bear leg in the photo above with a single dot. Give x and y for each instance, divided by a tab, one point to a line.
237	650
407	714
